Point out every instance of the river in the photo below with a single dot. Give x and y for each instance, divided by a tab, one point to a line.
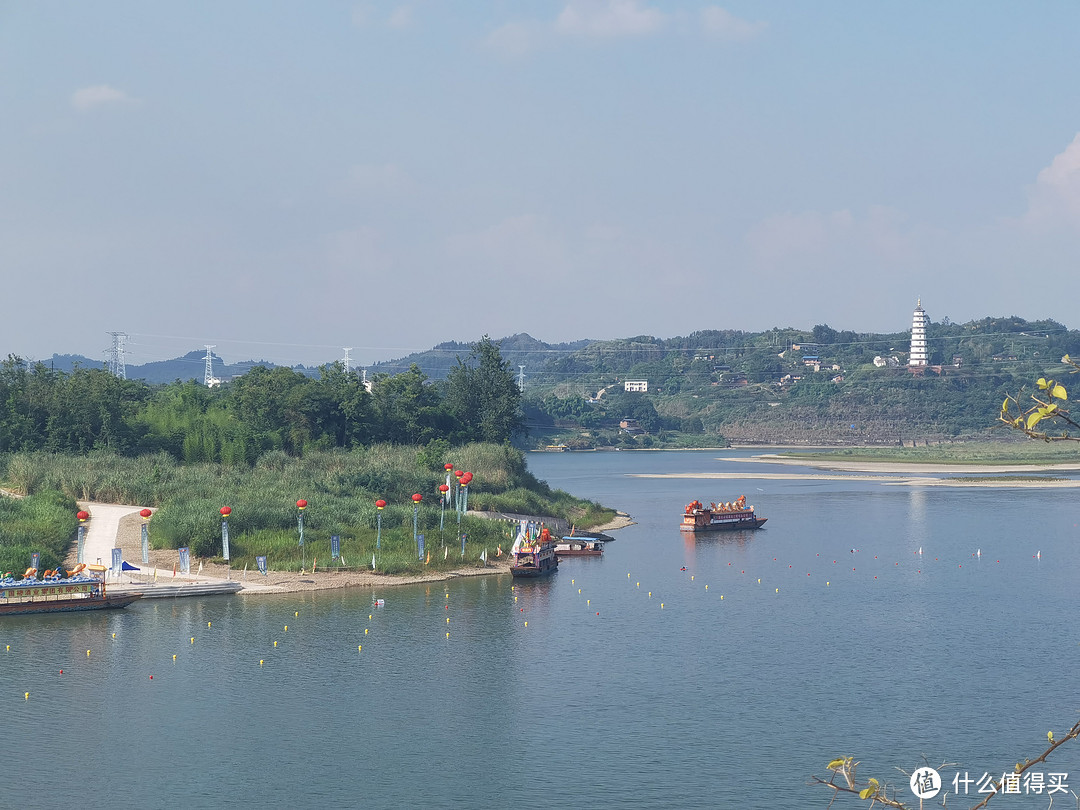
674	672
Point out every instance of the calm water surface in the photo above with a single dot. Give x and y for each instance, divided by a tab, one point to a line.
620	682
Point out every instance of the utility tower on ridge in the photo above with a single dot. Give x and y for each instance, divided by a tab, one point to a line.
345	362
117	365
208	375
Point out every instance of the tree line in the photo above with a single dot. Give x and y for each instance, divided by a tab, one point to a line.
263	410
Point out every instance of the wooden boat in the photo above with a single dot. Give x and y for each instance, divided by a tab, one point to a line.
571	546
535	558
720	517
59	595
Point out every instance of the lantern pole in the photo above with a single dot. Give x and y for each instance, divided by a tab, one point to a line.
415	516
379	506
225	512
302	505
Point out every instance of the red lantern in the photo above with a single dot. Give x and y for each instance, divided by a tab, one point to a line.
146	513
443	488
301	504
466	478
417	498
448	466
458	473
380	504
226	511
82	516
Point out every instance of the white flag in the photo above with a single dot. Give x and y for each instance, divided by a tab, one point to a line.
483	556
372	562
449	489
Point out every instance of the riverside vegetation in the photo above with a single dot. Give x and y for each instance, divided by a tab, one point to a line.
259	444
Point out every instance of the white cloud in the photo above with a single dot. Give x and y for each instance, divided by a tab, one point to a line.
722	24
608	18
880	237
401	17
98	95
1054	200
516	38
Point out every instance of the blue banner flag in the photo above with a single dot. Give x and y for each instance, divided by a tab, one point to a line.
261	562
35	559
185	560
335	546
117	559
420	545
225	540
81	546
145	545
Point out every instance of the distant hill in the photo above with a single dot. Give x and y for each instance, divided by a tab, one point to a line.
517	350
192	366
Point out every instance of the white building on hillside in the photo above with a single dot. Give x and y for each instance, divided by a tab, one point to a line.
919	322
641	386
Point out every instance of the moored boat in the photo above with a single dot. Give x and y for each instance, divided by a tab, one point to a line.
720	517
58	595
534	558
571	546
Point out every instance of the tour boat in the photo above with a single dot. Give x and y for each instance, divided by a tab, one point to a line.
534	558
54	594
719	517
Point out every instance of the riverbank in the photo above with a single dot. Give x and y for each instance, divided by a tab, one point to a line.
129	539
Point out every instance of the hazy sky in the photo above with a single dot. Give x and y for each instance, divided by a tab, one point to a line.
284	179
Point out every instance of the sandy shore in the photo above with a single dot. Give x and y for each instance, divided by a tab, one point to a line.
129	538
893	473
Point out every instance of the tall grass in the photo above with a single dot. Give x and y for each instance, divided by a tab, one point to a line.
43	522
341	489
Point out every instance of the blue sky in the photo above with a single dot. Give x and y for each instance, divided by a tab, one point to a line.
287	179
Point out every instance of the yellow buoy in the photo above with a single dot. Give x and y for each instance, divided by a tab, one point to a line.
9	647
661	605
193	639
286	628
359	647
26	696
515	598
87	653
114	635
721	597
650	594
706	587
526	624
691	577
208	624
448	635
778	590
296	613
448	596
759	580
588	601
365	629
826	584
369	615
637	585
260	662
275	643
174	657
579	590
628	575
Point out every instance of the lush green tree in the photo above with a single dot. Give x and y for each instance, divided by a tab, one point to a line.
482	396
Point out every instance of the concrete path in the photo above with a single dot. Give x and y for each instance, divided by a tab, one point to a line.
102	533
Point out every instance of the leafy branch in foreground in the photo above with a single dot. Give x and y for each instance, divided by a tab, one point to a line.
881	794
1015	416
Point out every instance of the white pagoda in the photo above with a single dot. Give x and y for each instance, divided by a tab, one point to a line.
919	322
